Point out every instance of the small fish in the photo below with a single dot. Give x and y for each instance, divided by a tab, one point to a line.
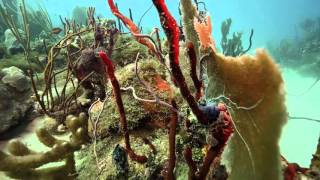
56	30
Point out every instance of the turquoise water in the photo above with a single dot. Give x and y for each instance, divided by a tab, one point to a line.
272	21
299	137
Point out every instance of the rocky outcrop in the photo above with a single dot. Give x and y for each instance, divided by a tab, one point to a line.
11	42
15	92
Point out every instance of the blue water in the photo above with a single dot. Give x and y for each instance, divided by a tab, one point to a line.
271	20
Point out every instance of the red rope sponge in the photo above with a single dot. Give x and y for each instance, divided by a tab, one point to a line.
172	32
198	84
134	29
123	121
171	28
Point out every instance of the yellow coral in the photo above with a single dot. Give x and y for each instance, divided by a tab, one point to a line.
247	80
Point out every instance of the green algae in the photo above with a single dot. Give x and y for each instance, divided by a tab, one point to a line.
126	49
19	61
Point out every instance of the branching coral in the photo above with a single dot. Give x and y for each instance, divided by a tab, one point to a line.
29	161
233	46
59	101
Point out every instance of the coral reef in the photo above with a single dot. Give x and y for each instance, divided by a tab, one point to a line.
122	55
106	169
119	102
138	113
157	108
302	52
29	161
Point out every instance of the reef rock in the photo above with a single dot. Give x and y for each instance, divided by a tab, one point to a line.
15	92
13	46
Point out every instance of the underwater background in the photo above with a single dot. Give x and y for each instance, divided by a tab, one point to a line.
288	29
272	21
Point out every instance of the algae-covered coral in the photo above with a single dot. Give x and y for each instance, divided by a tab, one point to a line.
146	106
